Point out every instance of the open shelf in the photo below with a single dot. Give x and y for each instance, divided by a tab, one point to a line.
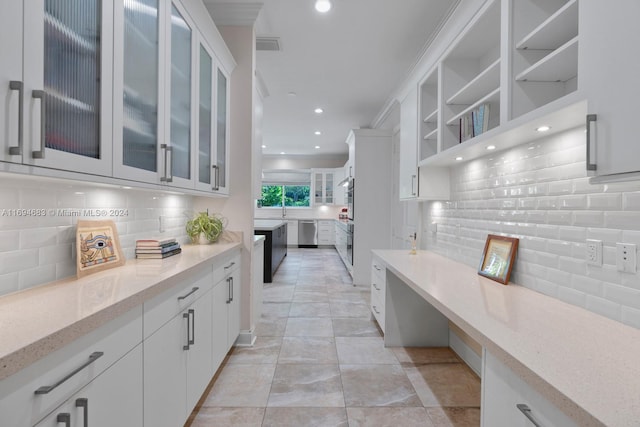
431	135
563	114
490	98
555	31
559	66
486	81
432	117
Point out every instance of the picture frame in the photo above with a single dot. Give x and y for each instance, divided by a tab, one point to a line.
97	247
498	258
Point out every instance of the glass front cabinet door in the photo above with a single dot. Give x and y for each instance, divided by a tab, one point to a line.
67	85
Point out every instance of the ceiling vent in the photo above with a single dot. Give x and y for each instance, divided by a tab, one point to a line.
270	44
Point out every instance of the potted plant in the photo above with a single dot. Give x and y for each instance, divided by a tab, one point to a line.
204	228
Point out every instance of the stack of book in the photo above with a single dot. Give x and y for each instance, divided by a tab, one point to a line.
157	249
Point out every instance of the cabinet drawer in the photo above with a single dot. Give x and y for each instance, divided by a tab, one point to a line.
160	309
377	309
503	390
325	223
226	266
71	368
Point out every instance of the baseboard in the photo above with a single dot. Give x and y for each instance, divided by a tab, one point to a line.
246	338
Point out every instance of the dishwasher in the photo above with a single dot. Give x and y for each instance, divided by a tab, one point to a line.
307	233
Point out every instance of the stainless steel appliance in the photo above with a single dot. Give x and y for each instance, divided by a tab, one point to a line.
350	199
307	233
350	227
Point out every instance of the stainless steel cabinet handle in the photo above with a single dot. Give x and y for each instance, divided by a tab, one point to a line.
192	314
193	290
83	403
375	287
527	413
92	358
186	316
40	94
591	120
230	265
231	287
413	181
375	309
376	267
167	149
229	290
216	177
65	418
17	85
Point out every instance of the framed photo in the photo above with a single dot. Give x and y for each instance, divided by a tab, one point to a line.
97	247
498	258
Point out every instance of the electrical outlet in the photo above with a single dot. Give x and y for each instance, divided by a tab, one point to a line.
433	227
161	221
594	252
626	257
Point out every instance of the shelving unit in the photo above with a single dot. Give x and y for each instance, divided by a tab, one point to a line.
471	74
545	53
429	109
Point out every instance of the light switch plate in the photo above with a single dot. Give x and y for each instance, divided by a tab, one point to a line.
626	257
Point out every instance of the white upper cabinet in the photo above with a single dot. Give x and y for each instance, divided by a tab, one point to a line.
324	187
408	145
609	73
138	53
56	110
221	162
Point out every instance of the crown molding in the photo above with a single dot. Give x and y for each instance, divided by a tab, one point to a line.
237	14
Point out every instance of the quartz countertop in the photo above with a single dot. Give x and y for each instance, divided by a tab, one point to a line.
257	239
38	321
584	363
267	224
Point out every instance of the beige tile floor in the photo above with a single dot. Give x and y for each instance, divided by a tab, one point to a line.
319	360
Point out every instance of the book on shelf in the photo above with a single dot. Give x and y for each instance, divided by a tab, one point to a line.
480	119
154	243
159	256
157	250
466	128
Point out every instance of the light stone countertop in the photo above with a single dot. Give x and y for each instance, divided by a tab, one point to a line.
38	321
257	239
584	363
267	224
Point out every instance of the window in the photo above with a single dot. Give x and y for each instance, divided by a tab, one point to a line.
290	195
286	187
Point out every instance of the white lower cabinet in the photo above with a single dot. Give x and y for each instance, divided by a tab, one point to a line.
508	401
326	232
113	398
104	363
378	291
177	357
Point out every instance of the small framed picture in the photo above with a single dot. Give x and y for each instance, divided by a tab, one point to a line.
498	258
97	247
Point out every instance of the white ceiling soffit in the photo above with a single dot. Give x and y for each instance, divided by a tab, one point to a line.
233	13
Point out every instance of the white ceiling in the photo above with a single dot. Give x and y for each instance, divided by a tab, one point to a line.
347	61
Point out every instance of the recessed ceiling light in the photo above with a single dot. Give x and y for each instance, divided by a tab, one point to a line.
282	152
264	146
318	111
491	147
125	188
458	158
318	132
317	146
323	6
543	128
292	94
78	193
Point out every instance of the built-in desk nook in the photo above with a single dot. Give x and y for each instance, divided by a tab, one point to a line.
542	359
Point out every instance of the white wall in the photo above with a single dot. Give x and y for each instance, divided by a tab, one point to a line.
36	249
540	193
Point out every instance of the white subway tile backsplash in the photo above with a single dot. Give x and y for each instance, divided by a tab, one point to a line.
38	249
540	192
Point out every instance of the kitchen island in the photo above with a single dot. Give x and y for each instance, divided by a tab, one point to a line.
275	245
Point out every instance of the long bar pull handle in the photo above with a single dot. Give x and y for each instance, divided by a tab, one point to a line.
192	291
40	94
17	85
591	120
83	403
231	287
527	413
230	265
167	149
413	182
92	358
186	316
65	418
229	290
192	313
216	177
